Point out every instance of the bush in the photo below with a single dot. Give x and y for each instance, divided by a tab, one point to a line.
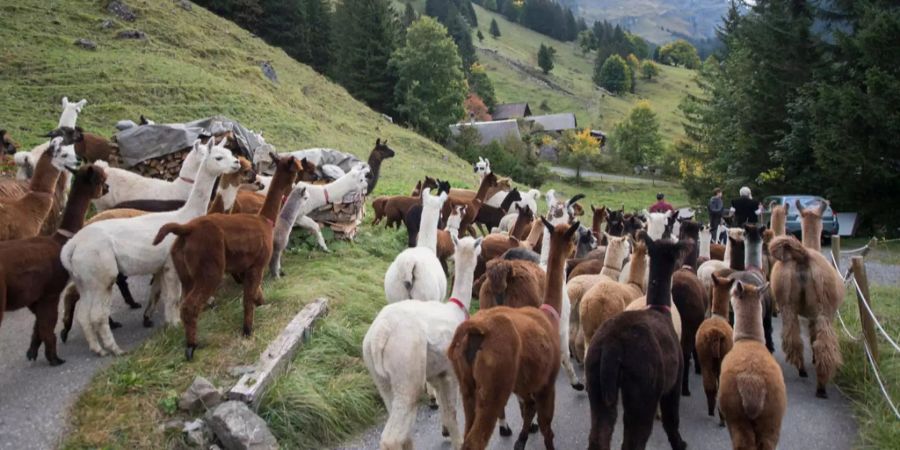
510	157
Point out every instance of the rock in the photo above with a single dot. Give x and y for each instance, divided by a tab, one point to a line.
201	395
239	371
131	34
196	433
106	24
214	447
185	5
269	71
86	44
171	425
121	10
239	428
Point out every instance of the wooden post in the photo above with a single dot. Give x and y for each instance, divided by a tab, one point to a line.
866	320
836	251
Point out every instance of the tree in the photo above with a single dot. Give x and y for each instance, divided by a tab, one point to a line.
480	36
365	38
315	32
495	29
637	139
546	55
476	109
409	15
649	70
481	84
612	74
490	4
585	41
680	53
462	35
431	85
634	65
577	149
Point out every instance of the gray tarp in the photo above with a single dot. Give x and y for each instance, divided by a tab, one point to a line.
153	141
328	156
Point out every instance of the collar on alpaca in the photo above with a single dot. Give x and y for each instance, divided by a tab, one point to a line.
460	304
65	233
187	180
551	312
271	222
662	308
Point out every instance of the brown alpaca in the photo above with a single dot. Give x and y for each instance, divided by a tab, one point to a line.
229	185
752	395
811	224
778	219
472	205
31	273
522	227
598	217
535	236
492	247
88	146
514	283
445	247
805	284
8	146
23	217
465	195
691	300
503	350
240	244
115	214
714	340
247	202
608	298
638	352
717	252
396	207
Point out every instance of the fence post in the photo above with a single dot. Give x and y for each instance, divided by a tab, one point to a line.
836	251
866	320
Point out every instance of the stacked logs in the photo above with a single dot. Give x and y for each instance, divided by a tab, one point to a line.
165	167
343	218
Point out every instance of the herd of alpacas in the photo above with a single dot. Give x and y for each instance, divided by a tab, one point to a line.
633	302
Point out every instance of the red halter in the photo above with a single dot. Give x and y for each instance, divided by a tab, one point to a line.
461	306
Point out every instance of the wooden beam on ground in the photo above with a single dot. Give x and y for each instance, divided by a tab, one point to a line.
274	359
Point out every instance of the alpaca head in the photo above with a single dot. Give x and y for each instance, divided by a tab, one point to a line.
632	225
689	229
146	121
615	222
7	145
586	241
455	219
753	234
778	217
704	234
489	181
525	213
672	228
573	208
665	256
246	172
63	155
381	151
616	251
561	236
482	167
811	218
70	135
218	160
466	251
746	300
657	224
504	184
70	112
721	292
432	203
599	215
90	178
195	158
360	176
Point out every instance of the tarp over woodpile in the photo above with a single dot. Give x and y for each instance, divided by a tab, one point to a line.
145	142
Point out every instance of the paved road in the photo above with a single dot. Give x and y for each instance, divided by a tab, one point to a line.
810	423
567	172
34	397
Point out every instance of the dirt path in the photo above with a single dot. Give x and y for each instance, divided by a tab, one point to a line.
810	423
34	397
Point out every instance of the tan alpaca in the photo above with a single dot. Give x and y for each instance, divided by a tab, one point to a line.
778	220
811	224
805	284
752	396
714	340
608	297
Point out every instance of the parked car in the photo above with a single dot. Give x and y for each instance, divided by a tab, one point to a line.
829	219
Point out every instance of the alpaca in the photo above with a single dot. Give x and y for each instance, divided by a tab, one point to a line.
115	214
490	216
503	350
754	275
88	146
811	224
30	271
70	112
240	244
599	215
7	145
379	153
99	253
354	181
691	302
473	206
230	184
752	394
638	351
615	222
778	219
23	217
691	230
407	344
482	167
607	298
494	246
413	217
445	237
512	282
657	224
735	261
585	242
528	199
416	272
714	340
805	284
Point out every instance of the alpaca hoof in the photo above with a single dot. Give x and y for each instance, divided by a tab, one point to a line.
520	444
56	361
803	373
189	352
578	386
248	331
64	334
31	354
432	403
117	352
101	352
533	428
113	324
445	432
505	431
134	305
281	273
821	393
680	446
771	348
721	424
148	322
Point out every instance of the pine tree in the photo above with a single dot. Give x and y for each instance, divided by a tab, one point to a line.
431	86
495	29
545	56
409	15
481	84
462	35
365	38
480	36
315	29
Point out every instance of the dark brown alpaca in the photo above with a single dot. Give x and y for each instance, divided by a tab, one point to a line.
473	206
493	246
380	153
88	146
691	299
240	244
639	353
7	145
502	350
512	282
522	227
31	273
599	216
715	339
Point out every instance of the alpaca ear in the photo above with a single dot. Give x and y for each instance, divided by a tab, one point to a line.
799	206
377	142
823	205
273	155
739	288
762	290
455	241
80	105
477	245
572	229
65	102
547	224
643	236
607	236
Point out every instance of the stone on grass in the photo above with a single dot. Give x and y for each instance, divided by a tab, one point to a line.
121	10
269	71
201	395
106	24
185	5
86	44
196	433
131	34
239	428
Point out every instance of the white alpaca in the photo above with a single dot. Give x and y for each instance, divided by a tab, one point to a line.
102	250
656	224
125	185
26	161
417	272
707	269
70	112
529	199
295	211
407	346
705	237
482	168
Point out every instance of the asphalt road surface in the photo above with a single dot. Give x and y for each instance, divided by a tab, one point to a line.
810	423
35	397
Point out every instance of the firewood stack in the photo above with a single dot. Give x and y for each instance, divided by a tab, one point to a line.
343	218
165	167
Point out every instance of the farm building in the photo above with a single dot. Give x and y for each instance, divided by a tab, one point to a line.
497	130
511	111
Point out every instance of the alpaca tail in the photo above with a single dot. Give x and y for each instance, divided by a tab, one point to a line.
535	194
483	343
408	275
752	389
374	345
175	228
610	365
825	349
785	248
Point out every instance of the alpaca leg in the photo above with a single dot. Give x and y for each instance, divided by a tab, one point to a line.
83	316
697	368
826	351
686	370
153	300
100	318
447	391
742	435
432	396
639	410
402	417
505	430
490	398
668	406
191	307
528	408
791	341
545	405
45	323
313	227
70	298
710	387
252	297
170	292
35	345
122	284
603	418
767	323
565	355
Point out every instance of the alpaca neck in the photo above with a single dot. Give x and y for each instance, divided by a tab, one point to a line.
462	281
812	234
748	321
281	182
556	276
704	244
482	191
428	226
752	254
374	162
190	167
736	261
76	207
545	248
659	291
45	174
693	256
453	228
637	270
337	189
228	195
198	200
778	222
519	227
595	225
720	301
292	206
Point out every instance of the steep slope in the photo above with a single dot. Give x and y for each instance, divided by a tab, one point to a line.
657	20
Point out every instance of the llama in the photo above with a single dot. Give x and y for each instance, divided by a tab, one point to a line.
482	167
805	284
99	253
735	260
23	217
407	344
30	271
714	340
229	185
240	244
615	222
354	181
811	224
638	351
70	112
413	217
473	206
379	153
752	394
503	350
295	201
585	242
512	282
778	219
490	216
416	272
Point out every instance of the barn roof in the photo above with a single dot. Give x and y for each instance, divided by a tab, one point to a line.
556	122
511	111
491	131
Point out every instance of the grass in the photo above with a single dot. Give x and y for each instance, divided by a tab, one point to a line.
877	425
885	252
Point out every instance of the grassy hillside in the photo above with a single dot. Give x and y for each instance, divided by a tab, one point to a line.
512	64
656	20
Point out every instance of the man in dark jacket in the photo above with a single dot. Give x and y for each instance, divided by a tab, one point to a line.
745	208
661	205
716	208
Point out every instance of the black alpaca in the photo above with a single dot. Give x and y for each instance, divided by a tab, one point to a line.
490	216
413	217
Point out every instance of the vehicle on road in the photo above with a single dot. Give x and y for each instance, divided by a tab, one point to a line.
829	219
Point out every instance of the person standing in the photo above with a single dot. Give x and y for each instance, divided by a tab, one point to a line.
661	205
716	209
746	210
